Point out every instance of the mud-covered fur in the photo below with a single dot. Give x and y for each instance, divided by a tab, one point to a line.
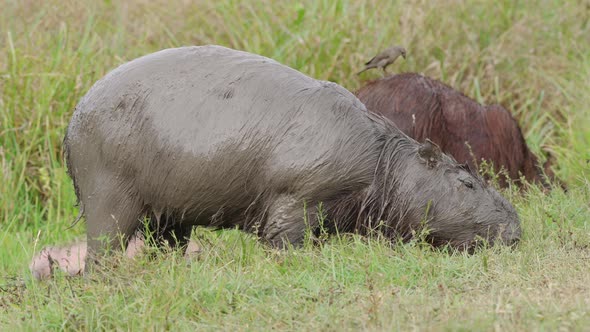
217	137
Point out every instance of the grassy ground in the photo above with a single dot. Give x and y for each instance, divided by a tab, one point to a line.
531	56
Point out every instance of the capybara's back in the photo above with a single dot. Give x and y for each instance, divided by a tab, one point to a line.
198	133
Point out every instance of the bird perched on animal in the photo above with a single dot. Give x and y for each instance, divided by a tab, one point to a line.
385	58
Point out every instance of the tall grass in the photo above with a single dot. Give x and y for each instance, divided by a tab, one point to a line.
533	57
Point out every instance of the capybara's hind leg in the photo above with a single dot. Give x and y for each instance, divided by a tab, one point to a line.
112	214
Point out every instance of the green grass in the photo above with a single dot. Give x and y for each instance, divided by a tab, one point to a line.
533	57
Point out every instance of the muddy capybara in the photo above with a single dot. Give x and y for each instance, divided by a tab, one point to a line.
213	136
423	107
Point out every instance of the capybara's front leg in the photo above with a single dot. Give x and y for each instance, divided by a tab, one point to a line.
288	219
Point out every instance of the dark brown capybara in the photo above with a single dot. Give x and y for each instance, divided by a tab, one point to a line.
213	136
423	108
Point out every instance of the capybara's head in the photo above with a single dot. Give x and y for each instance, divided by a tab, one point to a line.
506	147
457	207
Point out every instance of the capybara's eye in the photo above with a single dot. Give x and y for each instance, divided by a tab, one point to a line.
467	182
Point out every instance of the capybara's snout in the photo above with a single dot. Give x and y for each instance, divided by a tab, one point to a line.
511	234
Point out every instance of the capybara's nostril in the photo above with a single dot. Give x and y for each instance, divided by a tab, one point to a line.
511	234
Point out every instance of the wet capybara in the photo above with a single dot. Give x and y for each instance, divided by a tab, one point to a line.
423	107
213	136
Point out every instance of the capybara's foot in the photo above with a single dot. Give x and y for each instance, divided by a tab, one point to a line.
68	259
71	259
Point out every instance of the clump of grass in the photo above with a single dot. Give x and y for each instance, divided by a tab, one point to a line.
531	57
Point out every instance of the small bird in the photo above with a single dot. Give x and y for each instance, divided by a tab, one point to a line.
385	58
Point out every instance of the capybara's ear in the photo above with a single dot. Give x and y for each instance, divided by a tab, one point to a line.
429	153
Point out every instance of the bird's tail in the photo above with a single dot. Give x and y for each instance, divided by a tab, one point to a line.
362	71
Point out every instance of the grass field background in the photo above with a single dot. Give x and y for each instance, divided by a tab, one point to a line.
533	57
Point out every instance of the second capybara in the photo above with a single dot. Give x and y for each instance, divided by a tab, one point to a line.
423	108
212	136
